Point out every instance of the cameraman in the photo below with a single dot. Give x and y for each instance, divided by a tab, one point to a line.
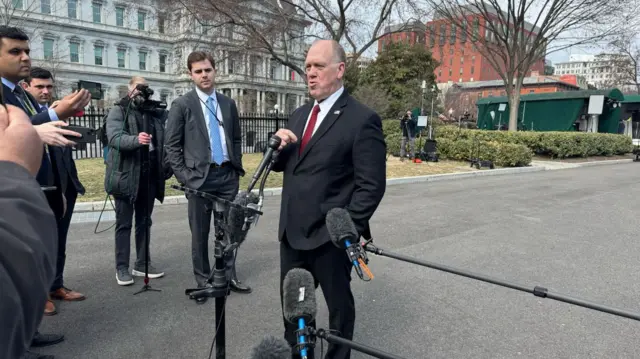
408	125
125	180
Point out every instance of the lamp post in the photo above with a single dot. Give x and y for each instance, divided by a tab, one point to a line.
433	96
275	110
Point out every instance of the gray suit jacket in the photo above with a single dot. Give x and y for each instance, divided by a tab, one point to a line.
187	144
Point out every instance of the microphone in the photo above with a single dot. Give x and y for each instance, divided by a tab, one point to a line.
274	143
343	234
240	217
299	304
271	348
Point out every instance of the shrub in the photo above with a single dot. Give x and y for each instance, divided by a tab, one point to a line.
502	154
553	144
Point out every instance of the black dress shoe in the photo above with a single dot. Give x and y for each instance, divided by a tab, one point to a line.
238	287
32	355
43	340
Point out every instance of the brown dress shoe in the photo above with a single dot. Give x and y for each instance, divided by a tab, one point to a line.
50	308
67	294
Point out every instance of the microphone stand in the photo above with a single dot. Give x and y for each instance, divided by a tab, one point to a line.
312	333
538	291
146	175
218	284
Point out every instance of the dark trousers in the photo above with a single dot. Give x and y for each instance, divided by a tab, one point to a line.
64	223
124	221
222	182
331	269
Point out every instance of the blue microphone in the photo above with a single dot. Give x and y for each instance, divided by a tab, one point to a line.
342	232
299	304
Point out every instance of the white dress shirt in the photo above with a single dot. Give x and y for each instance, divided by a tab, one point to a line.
325	106
203	104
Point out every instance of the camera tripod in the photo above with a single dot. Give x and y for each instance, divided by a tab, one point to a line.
146	175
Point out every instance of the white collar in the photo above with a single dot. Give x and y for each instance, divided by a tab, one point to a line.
330	101
204	97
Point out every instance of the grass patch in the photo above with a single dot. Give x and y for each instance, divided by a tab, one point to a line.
92	171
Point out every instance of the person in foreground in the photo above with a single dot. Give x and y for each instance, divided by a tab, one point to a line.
332	155
202	143
28	256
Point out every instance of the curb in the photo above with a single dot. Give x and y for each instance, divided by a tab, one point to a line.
268	192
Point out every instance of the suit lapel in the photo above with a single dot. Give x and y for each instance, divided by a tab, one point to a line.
196	108
298	125
10	98
331	117
225	109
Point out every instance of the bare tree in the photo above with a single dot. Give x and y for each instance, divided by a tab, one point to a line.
626	61
512	35
284	28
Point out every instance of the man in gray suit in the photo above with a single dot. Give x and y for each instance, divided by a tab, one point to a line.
202	145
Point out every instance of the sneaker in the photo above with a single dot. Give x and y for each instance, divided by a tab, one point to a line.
153	272
123	277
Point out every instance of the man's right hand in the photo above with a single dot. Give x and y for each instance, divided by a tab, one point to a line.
286	137
144	138
51	134
72	104
19	141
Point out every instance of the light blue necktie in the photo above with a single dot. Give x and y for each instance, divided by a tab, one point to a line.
214	132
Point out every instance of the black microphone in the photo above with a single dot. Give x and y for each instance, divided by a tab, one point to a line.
343	234
271	348
274	143
240	217
299	304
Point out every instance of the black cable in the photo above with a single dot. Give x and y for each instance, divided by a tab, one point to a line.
113	168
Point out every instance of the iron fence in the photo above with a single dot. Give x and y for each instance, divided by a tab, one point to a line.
255	129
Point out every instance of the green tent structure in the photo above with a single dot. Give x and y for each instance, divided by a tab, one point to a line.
556	111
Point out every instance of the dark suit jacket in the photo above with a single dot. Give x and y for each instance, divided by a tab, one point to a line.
28	258
56	154
187	145
343	165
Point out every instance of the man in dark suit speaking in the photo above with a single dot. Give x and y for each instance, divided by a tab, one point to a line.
203	147
333	155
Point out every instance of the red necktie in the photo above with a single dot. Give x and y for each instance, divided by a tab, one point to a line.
309	131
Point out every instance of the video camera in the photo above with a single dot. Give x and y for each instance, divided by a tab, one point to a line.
143	101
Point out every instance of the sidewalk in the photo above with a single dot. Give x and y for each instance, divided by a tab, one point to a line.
90	211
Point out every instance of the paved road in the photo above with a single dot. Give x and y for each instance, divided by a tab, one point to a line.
574	231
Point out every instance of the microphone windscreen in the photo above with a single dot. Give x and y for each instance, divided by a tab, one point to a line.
271	348
236	216
299	296
340	226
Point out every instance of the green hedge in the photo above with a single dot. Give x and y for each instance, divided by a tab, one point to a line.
502	154
553	144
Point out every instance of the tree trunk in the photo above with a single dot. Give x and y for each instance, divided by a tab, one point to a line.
514	107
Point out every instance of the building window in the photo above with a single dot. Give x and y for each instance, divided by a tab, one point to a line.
74	51
119	16
98	50
47	45
121	58
17	4
96	8
443	34
452	39
72	9
232	65
163	62
476	29
463	31
45	6
164	97
272	69
141	19
142	57
472	69
161	24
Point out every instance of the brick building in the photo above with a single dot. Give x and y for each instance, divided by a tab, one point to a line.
457	53
413	33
